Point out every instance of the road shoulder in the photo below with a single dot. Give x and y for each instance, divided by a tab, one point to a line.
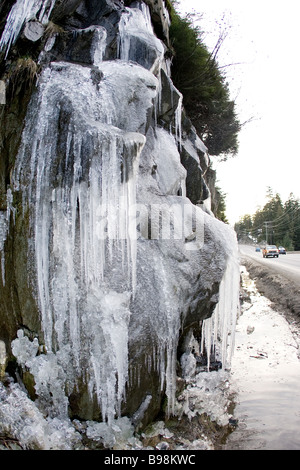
283	293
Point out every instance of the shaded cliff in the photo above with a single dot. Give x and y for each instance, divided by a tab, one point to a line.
110	255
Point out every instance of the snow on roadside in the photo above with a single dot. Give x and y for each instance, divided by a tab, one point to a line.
263	333
265	373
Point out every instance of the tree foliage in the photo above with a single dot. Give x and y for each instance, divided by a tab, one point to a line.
220	205
206	97
276	223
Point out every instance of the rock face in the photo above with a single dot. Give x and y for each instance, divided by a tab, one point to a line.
108	260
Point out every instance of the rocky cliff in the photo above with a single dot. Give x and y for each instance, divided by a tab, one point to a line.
111	258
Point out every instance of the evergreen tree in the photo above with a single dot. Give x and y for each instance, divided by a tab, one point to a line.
196	74
244	227
220	203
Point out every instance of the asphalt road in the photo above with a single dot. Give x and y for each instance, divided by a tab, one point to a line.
287	265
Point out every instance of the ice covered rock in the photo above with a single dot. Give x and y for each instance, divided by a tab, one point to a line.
116	264
160	17
137	39
84	46
20	13
195	159
114	436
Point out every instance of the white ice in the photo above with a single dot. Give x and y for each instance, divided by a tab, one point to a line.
21	419
218	332
135	25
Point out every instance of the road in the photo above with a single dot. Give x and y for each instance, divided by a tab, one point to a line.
286	265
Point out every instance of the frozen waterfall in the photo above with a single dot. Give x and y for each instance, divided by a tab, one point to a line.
81	224
120	262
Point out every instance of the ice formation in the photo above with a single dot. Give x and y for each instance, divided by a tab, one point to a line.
135	28
5	219
22	11
85	221
21	419
218	331
78	167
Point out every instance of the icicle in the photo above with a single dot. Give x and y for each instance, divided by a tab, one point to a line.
5	218
171	373
99	44
207	339
3	234
158	100
218	331
22	11
45	10
178	118
10	208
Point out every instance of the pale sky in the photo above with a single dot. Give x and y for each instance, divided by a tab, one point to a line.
263	37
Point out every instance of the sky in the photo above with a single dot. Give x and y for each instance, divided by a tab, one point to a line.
262	40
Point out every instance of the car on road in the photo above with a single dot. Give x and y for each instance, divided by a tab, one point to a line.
270	251
257	249
282	251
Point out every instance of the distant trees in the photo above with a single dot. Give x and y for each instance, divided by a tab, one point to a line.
196	74
276	223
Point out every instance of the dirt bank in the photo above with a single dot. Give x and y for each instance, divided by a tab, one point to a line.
283	293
